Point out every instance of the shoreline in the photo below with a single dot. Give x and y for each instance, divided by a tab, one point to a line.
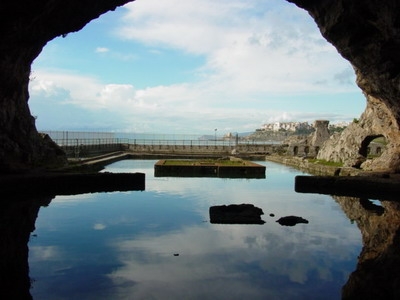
82	176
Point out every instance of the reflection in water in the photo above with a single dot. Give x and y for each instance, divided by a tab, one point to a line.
124	245
378	270
17	221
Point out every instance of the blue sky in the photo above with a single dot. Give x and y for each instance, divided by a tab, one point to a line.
191	67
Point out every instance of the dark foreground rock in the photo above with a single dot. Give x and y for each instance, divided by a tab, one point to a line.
291	221
70	183
236	214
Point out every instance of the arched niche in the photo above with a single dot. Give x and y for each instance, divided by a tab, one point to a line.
372	145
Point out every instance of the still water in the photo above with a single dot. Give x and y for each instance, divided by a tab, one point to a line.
159	243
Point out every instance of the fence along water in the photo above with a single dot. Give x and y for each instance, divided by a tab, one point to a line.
77	138
86	144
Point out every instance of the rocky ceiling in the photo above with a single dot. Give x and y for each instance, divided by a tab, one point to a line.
365	32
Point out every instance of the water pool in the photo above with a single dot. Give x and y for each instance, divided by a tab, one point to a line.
159	243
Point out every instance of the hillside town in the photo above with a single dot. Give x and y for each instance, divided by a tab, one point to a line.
299	127
280	131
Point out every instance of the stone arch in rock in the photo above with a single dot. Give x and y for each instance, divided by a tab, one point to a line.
364	148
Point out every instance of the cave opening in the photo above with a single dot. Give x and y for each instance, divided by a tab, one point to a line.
125	83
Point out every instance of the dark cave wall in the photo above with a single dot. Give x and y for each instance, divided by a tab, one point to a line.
25	28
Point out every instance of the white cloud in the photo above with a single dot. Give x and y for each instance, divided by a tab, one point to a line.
249	47
48	89
117	55
196	27
84	91
262	61
102	50
176	108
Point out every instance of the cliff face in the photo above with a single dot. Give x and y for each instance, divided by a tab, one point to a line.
364	32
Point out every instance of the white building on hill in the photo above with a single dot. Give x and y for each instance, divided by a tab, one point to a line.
286	126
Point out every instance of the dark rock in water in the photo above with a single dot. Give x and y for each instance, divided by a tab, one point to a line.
291	221
236	214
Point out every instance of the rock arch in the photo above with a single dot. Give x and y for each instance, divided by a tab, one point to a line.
365	148
367	33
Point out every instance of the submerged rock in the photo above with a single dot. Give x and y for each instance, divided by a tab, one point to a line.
291	221
236	214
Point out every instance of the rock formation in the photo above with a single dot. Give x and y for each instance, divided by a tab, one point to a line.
364	32
351	146
321	133
236	214
291	221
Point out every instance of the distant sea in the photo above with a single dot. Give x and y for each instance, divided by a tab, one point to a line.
81	135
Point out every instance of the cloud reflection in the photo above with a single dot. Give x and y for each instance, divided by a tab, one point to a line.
99	226
247	261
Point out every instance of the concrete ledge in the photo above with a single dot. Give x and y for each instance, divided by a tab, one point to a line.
70	184
313	168
209	168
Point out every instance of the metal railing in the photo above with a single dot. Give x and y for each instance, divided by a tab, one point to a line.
75	138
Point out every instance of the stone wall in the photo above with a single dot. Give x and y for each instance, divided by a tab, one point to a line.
309	146
205	150
311	167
